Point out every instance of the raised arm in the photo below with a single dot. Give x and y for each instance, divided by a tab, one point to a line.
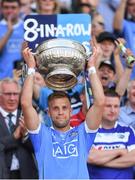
94	115
118	65
30	114
123	81
7	35
119	15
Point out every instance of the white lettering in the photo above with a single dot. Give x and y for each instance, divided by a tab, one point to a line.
49	30
72	149
58	151
64	151
70	30
31	34
33	30
60	31
41	30
77	30
86	31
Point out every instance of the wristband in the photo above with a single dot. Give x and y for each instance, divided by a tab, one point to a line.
91	70
31	71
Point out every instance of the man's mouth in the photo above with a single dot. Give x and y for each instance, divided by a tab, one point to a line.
104	78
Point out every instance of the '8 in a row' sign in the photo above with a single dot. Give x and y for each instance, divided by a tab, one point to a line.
39	28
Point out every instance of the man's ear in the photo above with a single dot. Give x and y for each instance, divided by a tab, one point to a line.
71	111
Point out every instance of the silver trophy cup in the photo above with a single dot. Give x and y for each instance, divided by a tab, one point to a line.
60	61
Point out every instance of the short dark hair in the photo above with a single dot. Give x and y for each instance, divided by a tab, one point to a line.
108	64
106	36
57	95
10	1
110	92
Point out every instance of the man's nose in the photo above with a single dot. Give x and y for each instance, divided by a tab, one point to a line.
60	110
112	109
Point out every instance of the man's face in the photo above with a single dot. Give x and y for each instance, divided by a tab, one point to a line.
131	93
46	5
10	10
106	75
97	25
60	112
111	109
107	47
25	6
131	7
9	97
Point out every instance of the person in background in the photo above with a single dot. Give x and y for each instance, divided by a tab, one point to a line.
124	25
106	73
18	149
64	4
59	146
0	10
26	8
85	6
106	41
97	25
111	156
110	53
48	7
11	36
78	118
107	9
127	112
3	168
39	83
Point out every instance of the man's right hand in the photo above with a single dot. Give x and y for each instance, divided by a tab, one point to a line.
29	57
10	24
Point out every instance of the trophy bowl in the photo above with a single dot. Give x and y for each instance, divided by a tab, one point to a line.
60	61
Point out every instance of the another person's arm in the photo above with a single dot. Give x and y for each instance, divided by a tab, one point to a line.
7	35
101	157
30	114
123	81
119	16
128	160
94	114
118	64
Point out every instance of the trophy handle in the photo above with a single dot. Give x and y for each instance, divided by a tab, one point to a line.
24	71
88	54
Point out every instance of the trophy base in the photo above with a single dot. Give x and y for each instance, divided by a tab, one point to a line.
61	79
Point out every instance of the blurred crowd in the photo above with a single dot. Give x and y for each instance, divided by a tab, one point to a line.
112	154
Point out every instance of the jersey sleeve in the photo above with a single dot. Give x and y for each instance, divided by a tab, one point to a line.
131	141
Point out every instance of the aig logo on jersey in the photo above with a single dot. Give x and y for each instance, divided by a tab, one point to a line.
65	150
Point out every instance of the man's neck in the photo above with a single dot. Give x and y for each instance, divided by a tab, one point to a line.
62	129
47	12
108	124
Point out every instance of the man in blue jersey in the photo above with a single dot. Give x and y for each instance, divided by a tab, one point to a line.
127	112
112	154
62	151
11	36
